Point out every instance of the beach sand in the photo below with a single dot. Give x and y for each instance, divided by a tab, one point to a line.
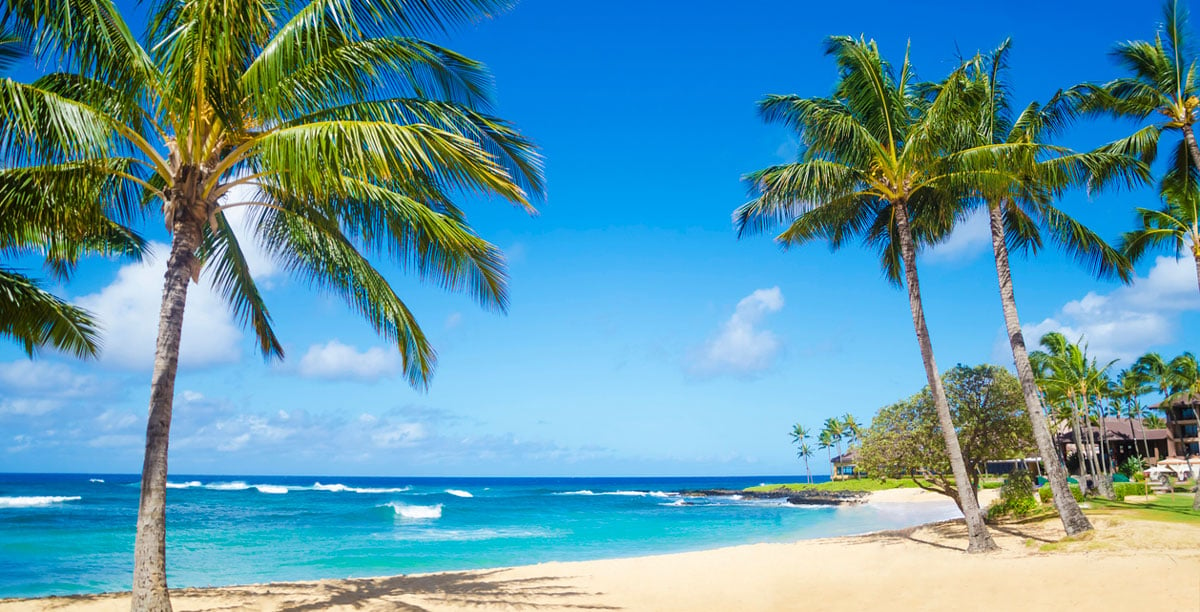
1125	564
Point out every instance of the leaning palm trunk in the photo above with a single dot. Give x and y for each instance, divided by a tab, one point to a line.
1103	481
1073	520
149	572
1080	448
979	540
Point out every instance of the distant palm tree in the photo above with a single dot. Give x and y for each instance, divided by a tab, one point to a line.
825	441
884	160
799	434
836	432
350	135
850	428
1153	421
1184	375
1131	386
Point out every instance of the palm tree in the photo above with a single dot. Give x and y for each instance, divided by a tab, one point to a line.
851	429
884	160
836	432
1174	227
346	132
799	434
30	315
1161	83
825	441
1184	375
1131	386
1016	213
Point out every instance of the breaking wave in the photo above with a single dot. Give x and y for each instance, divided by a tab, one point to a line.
416	512
459	493
341	488
35	501
183	485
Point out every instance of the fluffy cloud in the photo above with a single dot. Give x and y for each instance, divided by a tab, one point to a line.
336	361
1130	320
128	310
741	348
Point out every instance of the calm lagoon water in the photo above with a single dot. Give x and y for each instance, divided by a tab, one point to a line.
73	533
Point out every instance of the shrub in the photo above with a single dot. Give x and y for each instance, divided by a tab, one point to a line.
1129	488
1016	497
1132	466
1047	495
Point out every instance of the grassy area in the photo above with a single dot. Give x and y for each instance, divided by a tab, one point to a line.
1170	508
861	484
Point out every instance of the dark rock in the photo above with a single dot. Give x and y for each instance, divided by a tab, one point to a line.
812	497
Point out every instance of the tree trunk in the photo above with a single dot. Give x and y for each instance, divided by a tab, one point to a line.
1079	447
1073	520
979	539
807	472
1190	137
1196	258
1103	482
149	552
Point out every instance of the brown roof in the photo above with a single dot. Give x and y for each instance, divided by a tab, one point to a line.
850	456
1192	399
1118	429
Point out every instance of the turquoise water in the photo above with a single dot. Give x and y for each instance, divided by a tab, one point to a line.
73	533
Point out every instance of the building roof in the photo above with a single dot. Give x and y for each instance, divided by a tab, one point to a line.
1118	430
1192	399
850	456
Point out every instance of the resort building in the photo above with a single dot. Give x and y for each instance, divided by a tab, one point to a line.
845	466
1183	438
1125	438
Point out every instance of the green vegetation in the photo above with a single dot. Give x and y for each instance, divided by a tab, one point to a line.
1171	508
1046	495
1016	497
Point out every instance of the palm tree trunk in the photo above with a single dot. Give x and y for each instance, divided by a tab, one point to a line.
1103	482
807	472
979	539
1073	520
1190	136
1080	448
150	547
1196	258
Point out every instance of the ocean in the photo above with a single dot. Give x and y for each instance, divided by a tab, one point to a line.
64	534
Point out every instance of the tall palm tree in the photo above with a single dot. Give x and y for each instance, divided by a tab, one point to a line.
1174	227
799	434
29	314
349	133
882	159
1017	213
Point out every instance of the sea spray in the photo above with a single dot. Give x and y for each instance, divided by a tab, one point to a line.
416	512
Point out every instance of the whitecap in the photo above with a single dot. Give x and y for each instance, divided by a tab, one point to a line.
100	480
227	486
583	492
341	488
417	512
35	501
459	493
181	485
271	489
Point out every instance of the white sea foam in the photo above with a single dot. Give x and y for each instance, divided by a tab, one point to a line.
272	489
583	492
679	502
34	501
236	485
181	485
662	494
100	480
341	488
459	493
417	512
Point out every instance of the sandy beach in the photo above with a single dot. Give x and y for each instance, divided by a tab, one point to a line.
1133	563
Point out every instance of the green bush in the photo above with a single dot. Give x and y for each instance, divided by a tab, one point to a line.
1016	497
1132	466
1129	488
1046	495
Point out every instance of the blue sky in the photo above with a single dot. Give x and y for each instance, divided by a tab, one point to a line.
643	337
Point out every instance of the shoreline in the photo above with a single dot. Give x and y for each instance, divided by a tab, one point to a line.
712	578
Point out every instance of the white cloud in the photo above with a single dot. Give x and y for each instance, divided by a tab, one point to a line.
970	238
741	348
336	361
128	310
46	378
1130	320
